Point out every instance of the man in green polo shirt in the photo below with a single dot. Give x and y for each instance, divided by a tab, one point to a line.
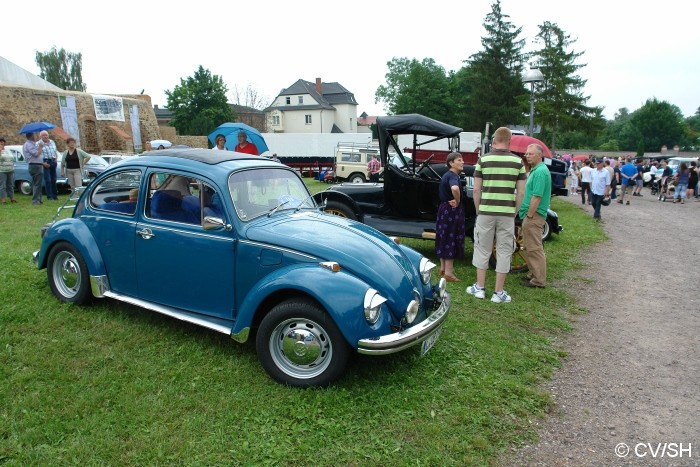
496	177
533	212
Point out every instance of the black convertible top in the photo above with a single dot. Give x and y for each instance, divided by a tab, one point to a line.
410	124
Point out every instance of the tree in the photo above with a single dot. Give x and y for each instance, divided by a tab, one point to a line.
416	87
249	97
561	104
61	68
490	85
199	104
659	124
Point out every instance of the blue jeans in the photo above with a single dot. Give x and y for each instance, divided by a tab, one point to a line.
50	179
596	203
681	191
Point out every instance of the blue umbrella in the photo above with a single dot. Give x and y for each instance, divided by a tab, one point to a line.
36	127
230	131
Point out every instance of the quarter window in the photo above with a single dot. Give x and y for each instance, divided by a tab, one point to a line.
118	193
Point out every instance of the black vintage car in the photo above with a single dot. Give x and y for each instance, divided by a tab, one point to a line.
406	203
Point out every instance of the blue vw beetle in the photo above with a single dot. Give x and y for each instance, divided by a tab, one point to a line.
235	243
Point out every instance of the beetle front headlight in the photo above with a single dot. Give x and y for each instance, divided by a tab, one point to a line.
426	268
373	305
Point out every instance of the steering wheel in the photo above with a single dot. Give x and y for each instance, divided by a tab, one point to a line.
426	163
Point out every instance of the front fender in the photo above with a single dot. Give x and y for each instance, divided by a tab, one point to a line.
339	293
341	197
75	232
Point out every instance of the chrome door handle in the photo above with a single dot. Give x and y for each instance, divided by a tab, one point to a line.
145	233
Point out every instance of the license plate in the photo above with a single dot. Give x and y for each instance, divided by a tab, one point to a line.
430	342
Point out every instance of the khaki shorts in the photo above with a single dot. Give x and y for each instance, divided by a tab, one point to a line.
628	188
490	229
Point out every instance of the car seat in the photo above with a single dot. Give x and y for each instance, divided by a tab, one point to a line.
167	205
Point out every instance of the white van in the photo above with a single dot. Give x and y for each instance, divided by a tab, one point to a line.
675	162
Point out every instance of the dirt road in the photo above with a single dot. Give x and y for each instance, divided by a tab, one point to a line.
629	391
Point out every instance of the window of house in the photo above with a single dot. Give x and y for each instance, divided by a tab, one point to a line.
308	119
276	120
301	99
288	99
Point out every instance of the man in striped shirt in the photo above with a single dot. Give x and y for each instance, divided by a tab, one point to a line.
499	186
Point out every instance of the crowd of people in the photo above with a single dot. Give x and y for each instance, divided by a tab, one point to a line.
627	176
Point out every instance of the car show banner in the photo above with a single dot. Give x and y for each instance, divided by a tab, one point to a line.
108	108
69	117
135	127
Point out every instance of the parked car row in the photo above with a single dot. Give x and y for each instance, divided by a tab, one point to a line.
23	181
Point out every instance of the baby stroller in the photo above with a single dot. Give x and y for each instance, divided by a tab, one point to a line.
668	188
656	185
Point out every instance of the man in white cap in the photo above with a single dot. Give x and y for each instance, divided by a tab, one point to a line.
600	187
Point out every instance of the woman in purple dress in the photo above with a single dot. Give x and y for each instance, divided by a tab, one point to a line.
449	226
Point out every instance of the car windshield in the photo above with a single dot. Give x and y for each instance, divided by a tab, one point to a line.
262	191
97	160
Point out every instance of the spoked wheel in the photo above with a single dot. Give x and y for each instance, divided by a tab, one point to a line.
518	262
339	209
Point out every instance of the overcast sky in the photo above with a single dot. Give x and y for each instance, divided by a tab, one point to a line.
632	51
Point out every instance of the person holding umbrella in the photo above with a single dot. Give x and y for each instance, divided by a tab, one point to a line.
244	146
47	151
35	166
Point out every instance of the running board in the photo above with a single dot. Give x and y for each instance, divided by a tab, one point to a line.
215	324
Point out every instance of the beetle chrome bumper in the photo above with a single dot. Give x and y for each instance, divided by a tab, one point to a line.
401	340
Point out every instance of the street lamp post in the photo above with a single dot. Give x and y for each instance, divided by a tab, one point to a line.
532	76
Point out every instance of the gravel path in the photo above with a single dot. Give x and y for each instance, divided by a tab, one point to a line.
632	374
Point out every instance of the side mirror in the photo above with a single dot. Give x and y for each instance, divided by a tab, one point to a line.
215	223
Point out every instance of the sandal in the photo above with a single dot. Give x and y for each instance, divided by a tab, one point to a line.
442	272
13	200
451	278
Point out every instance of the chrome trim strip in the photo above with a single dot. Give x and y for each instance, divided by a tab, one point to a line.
398	341
173	312
274	247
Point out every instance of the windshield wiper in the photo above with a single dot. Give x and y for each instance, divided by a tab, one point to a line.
274	210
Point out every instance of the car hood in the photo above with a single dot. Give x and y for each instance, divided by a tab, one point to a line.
358	248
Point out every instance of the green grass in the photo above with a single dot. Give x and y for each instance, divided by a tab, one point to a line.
112	384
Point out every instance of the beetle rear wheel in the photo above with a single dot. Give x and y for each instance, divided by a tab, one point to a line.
299	344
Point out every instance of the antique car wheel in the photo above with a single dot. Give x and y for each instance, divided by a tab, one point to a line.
68	274
546	231
357	178
518	262
299	344
339	209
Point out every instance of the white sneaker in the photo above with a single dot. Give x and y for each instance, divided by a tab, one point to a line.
475	290
500	297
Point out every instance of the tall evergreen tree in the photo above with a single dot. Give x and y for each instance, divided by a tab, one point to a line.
199	104
61	68
490	87
561	105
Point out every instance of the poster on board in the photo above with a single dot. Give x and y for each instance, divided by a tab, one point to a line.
108	108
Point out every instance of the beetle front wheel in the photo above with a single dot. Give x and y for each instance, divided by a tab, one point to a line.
299	344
